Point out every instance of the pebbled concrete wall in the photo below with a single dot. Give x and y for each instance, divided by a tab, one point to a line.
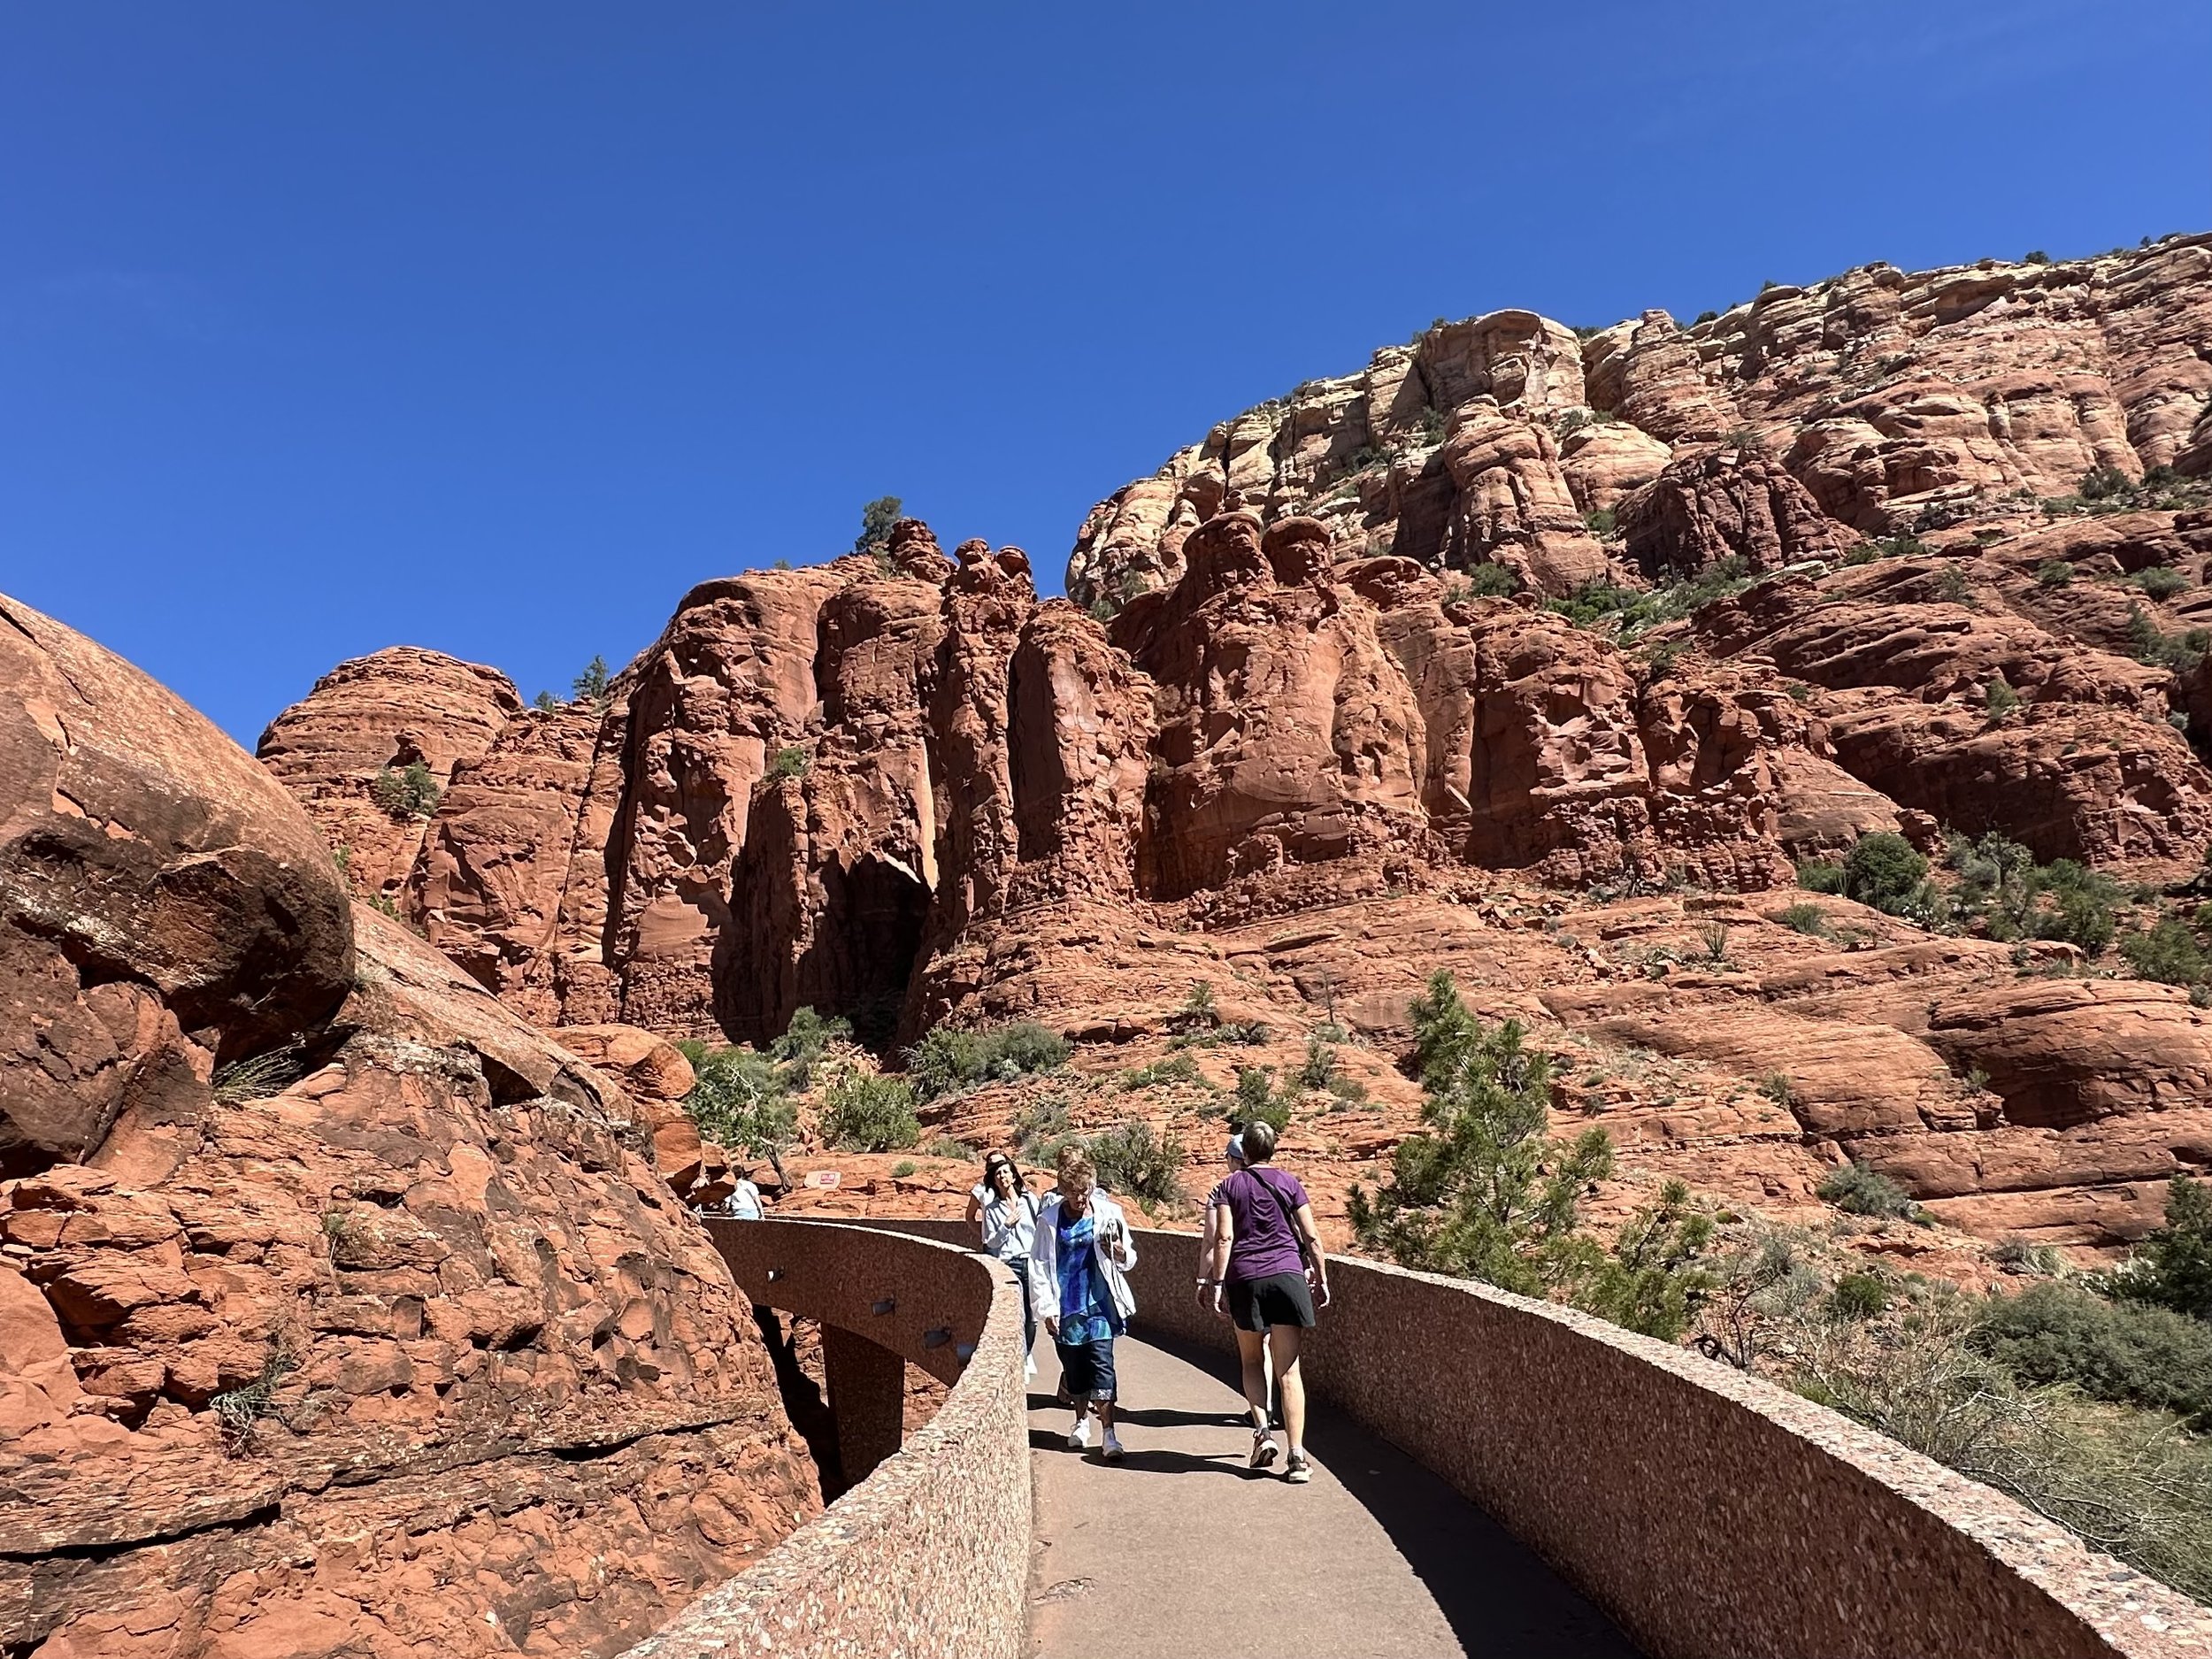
1711	1514
929	1555
1714	1515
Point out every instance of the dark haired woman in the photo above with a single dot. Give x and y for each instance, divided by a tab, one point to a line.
1268	1265
1007	1212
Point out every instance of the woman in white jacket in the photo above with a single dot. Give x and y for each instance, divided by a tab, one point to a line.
1078	1283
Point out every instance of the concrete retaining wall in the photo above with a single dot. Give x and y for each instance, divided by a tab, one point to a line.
929	1555
1711	1514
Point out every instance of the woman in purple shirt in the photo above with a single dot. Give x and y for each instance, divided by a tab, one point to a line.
1267	1262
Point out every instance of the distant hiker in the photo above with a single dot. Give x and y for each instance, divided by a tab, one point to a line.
1268	1264
742	1203
1007	1211
1078	1276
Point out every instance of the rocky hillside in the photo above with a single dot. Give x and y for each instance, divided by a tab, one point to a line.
341	1310
1875	402
1547	660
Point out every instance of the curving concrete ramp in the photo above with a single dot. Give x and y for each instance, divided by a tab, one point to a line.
1500	1476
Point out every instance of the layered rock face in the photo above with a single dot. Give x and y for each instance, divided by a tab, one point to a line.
395	708
1282	745
342	1311
1869	397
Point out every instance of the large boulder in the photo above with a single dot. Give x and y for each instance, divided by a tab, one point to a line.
165	907
391	1340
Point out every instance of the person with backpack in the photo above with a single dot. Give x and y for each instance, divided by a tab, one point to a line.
1080	1276
1268	1267
1007	1212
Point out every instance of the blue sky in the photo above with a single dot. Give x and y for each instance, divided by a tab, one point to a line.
493	328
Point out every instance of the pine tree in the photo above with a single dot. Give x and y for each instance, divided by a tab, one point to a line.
876	519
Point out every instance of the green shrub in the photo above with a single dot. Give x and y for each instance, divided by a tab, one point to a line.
1481	1190
1319	1069
2172	1268
788	762
2016	1255
1176	1068
803	1043
876	519
1039	1126
1998	698
2159	581
2016	898
869	1113
1819	875
946	1061
1649	1282
1858	1296
1600	522
408	791
2121	1478
903	1168
237	1411
2153	645
1132	1160
1883	870
1491	581
591	685
1258	1101
1347	1090
1775	1087
2168	953
1866	1192
1593	602
1639	612
2125	1352
738	1100
2105	483
545	701
1805	918
1902	546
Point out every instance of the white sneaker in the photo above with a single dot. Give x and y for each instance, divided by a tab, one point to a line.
1079	1436
1111	1450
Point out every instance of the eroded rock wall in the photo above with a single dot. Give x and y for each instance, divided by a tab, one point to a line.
342	1310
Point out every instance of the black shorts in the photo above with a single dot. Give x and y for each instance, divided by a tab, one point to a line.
1278	1299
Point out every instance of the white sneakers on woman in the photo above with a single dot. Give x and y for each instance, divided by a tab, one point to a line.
1079	1436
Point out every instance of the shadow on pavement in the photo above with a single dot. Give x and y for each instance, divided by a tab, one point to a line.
1499	1596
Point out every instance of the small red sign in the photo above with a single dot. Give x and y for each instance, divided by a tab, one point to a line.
821	1177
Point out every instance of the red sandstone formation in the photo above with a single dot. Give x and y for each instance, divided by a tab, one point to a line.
392	709
1300	761
1880	392
342	1311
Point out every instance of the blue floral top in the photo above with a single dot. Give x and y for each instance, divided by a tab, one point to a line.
1087	1310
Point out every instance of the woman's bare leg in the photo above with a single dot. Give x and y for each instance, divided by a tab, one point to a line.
1290	1383
1252	1351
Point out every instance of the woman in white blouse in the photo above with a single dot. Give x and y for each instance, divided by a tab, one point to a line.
1008	1214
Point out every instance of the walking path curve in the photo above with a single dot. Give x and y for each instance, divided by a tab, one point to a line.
1181	1550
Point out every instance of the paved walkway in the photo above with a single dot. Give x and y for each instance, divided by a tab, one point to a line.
1182	1551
